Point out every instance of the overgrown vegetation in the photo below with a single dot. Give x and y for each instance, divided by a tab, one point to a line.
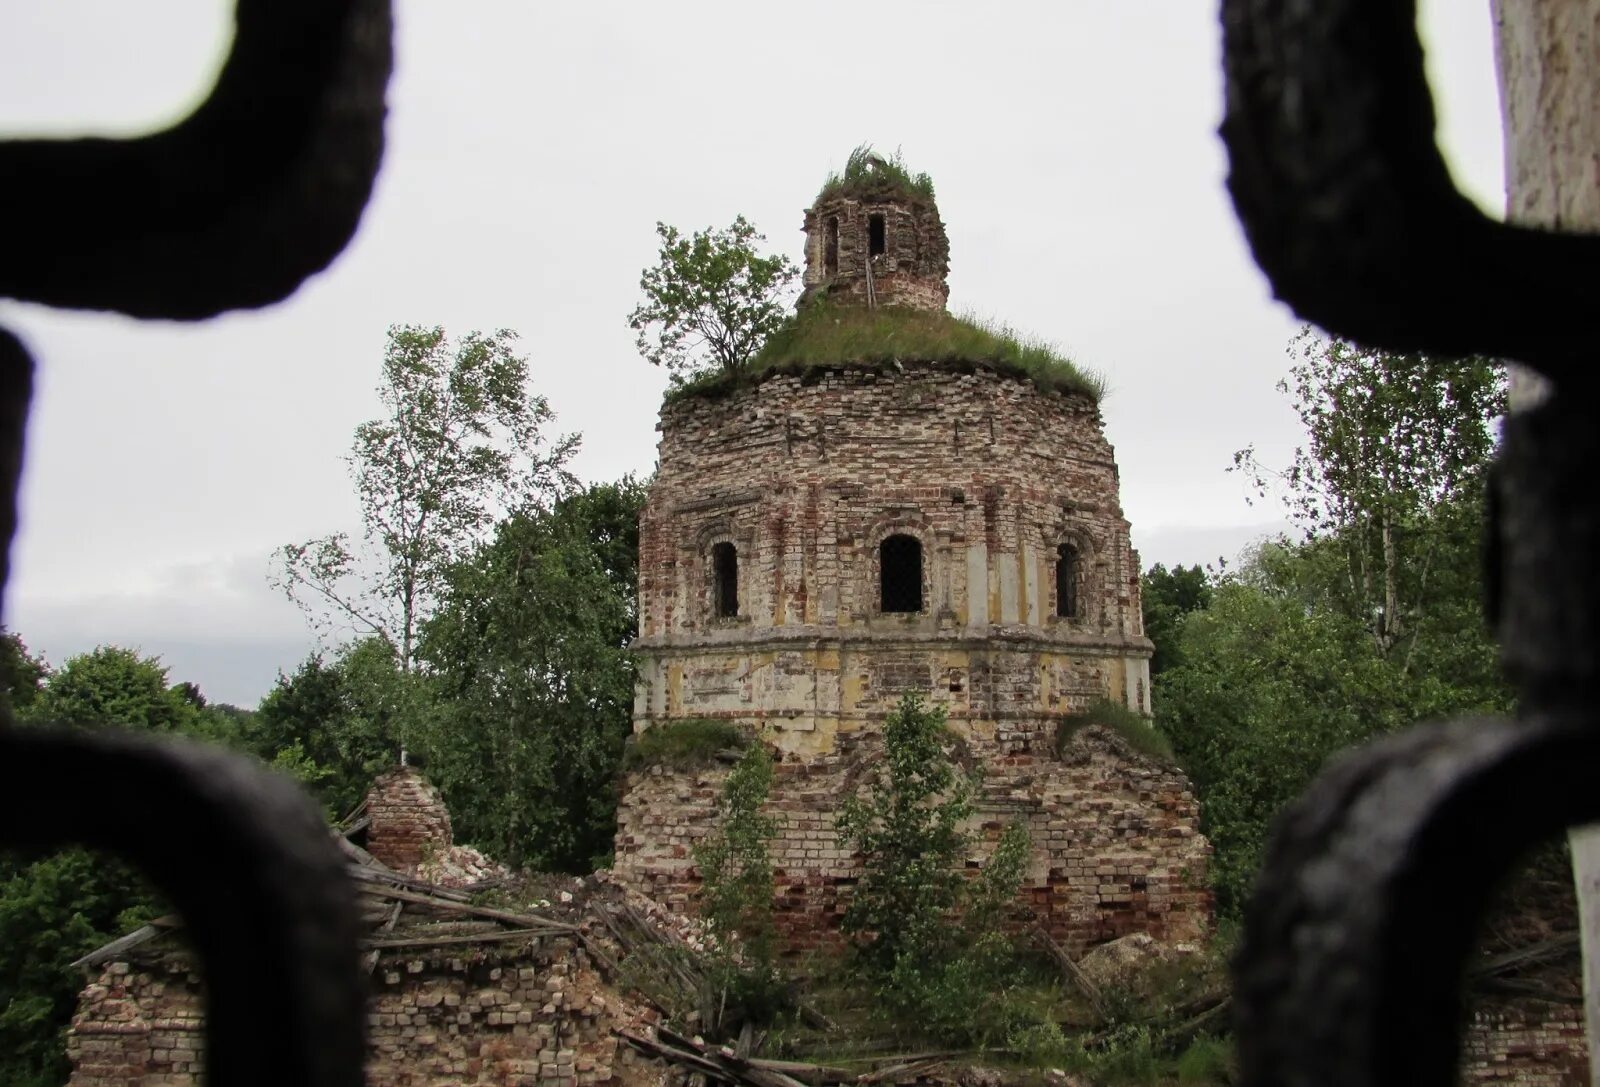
682	745
56	908
944	977
872	176
710	301
1131	725
516	694
820	337
1369	622
736	895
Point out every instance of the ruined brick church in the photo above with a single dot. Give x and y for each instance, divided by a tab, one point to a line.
818	544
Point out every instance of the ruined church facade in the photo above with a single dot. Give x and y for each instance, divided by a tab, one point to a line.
818	545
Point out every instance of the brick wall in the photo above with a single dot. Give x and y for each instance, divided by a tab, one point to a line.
911	271
1116	846
806	477
410	823
134	1023
535	1014
1528	1044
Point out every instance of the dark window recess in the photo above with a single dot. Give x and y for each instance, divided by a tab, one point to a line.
875	235
725	570
1067	581
900	574
830	248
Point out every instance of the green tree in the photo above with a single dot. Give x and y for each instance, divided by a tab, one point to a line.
946	978
532	682
1167	596
22	675
1390	438
55	909
909	833
461	441
1370	622
51	912
1267	690
336	725
604	518
115	687
710	300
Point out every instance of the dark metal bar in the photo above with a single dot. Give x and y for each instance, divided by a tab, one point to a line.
1364	912
234	207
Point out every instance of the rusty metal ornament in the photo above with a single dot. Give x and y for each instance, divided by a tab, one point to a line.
1350	968
261	187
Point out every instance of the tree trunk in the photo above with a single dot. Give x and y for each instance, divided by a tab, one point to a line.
1391	586
1548	54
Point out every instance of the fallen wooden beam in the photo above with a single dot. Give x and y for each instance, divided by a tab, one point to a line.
685	1057
370	960
1557	947
116	947
477	938
446	905
368	874
1071	970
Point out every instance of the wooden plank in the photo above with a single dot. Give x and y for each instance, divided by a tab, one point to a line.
450	906
370	960
116	947
370	875
811	1073
1071	971
1557	947
481	938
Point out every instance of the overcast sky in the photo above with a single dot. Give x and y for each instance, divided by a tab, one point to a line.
531	149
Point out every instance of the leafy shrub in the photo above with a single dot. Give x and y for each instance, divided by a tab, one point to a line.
930	941
1127	1055
736	895
1206	1061
1045	1045
682	745
1129	724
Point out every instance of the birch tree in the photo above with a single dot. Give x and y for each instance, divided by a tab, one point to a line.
461	441
1389	440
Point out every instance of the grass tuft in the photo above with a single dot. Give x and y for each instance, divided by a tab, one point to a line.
822	337
1132	726
870	176
682	745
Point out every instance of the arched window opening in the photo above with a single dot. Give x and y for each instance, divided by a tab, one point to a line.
900	574
1067	581
830	248
725	580
877	236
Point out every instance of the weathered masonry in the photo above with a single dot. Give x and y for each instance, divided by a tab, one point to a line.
457	995
817	545
813	549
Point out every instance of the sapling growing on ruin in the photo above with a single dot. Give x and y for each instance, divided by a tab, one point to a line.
710	301
736	896
932	942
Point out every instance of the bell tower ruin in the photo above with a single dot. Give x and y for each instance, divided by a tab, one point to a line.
821	541
871	240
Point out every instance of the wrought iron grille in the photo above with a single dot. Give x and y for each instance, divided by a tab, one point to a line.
1350	968
232	208
1349	973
